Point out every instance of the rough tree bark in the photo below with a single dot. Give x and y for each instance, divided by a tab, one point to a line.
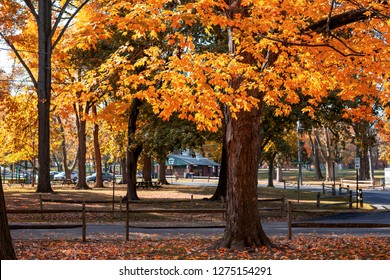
243	228
7	251
80	112
98	155
44	94
220	192
271	170
133	153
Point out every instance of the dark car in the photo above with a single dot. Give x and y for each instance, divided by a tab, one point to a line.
106	177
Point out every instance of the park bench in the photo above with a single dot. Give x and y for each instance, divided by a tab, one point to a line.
148	184
42	211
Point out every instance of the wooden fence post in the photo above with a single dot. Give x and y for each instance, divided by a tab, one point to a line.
289	220
84	223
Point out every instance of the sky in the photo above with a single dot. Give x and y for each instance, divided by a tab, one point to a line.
5	61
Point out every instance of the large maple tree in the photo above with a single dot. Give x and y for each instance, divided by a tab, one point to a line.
276	50
273	52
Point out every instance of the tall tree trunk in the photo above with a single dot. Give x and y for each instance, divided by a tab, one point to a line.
7	251
67	169
243	227
271	170
132	158
316	158
98	155
132	153
82	149
221	190
326	153
44	95
371	165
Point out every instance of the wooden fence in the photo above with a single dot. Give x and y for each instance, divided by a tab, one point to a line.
291	224
41	211
83	210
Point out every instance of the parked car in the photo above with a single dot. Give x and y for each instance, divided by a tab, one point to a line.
52	174
106	177
61	176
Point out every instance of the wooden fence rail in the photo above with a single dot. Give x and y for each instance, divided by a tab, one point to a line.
83	224
128	211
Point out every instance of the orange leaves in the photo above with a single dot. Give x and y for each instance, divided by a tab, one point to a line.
163	61
193	248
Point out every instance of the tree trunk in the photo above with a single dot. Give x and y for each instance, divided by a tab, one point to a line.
371	165
162	179
279	173
243	227
124	169
44	95
66	168
147	169
132	153
132	158
221	190
98	155
316	158
82	149
271	171
7	251
326	153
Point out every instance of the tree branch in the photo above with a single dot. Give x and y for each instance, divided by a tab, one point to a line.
16	52
68	21
360	14
30	6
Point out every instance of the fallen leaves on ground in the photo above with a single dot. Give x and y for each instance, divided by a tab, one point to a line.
301	247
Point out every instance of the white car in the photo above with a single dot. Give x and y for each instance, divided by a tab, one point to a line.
74	176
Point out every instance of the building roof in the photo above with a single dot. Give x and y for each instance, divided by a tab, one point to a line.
180	160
